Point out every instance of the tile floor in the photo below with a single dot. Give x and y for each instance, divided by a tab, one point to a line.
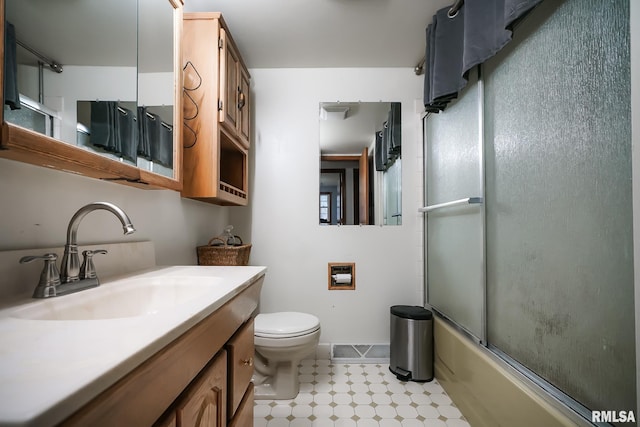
358	395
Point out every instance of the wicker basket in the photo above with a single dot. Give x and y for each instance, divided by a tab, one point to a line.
223	255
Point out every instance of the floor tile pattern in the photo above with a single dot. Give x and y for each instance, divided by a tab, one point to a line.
358	395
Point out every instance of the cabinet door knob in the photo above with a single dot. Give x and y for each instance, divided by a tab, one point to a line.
241	100
247	362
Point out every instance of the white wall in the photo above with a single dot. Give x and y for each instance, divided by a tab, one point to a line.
283	218
37	204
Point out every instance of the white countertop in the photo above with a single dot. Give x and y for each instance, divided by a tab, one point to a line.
51	368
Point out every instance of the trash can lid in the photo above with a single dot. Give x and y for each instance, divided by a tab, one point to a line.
414	312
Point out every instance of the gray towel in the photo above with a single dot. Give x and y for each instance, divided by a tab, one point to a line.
485	32
455	45
156	140
11	94
127	134
430	104
144	135
427	67
516	9
162	149
395	141
379	154
446	72
103	125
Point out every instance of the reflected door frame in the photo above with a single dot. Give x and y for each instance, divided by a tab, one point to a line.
361	185
343	189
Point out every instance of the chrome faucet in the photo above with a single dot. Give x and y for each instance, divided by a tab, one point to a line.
73	277
70	267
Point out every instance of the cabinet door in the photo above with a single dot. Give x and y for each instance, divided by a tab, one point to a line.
244	414
241	351
229	88
244	108
205	402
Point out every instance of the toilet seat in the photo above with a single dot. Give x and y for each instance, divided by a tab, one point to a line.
285	324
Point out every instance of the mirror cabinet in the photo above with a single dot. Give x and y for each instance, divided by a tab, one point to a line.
360	163
94	88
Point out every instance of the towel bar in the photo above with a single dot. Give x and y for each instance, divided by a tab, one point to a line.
467	201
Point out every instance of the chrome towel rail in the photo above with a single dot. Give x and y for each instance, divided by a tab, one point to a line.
467	201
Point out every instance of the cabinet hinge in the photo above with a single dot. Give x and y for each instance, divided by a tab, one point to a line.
220	43
219	104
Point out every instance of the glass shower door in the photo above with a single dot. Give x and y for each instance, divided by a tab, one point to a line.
454	237
559	211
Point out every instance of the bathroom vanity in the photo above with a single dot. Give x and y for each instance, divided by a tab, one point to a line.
170	346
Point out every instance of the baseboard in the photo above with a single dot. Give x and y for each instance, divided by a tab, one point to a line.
360	353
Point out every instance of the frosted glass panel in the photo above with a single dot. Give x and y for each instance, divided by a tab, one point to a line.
454	247
558	190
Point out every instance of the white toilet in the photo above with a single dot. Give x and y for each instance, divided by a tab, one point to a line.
282	340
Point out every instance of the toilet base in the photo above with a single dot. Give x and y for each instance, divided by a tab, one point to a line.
276	363
275	380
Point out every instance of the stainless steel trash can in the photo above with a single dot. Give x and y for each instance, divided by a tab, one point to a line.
411	347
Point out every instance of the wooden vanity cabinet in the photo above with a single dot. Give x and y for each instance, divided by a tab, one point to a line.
191	381
217	112
223	391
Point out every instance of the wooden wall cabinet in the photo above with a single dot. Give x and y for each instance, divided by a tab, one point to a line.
203	378
216	111
24	145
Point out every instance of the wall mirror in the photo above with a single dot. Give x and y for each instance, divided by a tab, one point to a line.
102	77
360	163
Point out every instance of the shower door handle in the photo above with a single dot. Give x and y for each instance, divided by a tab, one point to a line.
460	202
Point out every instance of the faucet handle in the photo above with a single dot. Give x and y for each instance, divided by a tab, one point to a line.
49	277
87	269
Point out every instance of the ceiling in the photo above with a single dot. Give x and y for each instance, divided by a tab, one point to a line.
326	33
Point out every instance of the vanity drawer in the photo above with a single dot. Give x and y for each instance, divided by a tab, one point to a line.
240	353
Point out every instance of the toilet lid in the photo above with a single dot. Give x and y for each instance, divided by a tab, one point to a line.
285	324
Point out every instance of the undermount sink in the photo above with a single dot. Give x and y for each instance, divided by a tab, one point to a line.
130	298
